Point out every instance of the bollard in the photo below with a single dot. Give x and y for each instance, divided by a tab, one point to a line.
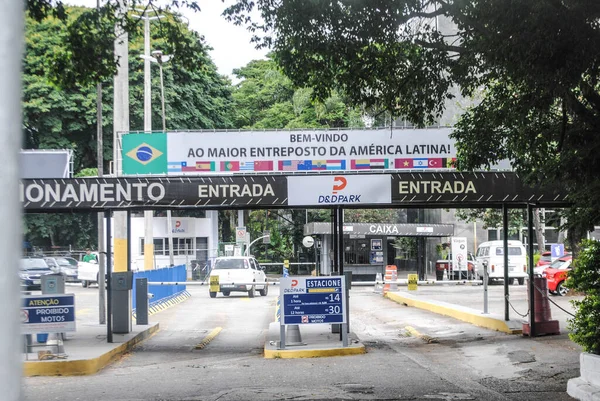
292	335
542	313
141	301
394	283
378	284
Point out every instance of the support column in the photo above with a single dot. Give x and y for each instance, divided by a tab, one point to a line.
240	223
11	40
335	241
505	237
340	221
109	260
121	299
122	306
149	240
531	283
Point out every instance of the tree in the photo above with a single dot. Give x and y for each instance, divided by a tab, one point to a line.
266	98
533	61
64	116
89	53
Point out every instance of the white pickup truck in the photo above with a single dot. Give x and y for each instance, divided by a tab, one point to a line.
87	272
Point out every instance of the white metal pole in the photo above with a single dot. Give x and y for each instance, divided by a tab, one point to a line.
11	46
147	81
164	122
148	214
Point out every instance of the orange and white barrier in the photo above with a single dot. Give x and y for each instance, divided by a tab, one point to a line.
391	275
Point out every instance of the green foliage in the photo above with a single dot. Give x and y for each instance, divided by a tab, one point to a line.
442	250
88	57
585	277
63	115
55	229
88	172
406	245
371	216
265	98
492	218
531	64
282	230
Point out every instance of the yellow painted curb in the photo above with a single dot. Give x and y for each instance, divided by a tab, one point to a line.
83	367
413	332
478	320
209	338
314	353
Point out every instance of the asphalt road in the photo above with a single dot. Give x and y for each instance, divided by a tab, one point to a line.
439	358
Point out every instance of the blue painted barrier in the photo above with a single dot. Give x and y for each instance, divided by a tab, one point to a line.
162	292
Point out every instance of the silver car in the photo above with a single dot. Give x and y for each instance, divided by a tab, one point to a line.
64	266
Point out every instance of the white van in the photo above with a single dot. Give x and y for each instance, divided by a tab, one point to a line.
492	253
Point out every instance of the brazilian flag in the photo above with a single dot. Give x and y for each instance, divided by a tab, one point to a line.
144	153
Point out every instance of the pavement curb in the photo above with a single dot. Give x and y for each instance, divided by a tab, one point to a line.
314	353
489	321
317	342
82	367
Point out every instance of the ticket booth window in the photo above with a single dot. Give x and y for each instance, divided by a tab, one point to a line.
356	251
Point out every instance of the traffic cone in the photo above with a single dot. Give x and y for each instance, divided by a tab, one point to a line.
292	335
542	314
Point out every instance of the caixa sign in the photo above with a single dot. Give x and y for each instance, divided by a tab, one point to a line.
339	190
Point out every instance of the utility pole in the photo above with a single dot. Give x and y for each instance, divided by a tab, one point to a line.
11	49
101	247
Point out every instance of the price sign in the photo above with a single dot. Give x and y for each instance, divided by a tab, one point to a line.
309	300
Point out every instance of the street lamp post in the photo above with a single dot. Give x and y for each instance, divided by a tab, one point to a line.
159	58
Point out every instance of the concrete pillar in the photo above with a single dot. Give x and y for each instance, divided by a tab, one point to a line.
121	300
11	41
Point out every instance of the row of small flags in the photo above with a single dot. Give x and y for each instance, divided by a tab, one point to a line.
312	165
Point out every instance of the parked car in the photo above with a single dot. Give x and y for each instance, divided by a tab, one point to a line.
235	273
539	269
31	272
545	259
556	275
63	265
491	254
445	265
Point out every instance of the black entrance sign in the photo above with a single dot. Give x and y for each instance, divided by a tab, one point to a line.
427	189
472	189
153	193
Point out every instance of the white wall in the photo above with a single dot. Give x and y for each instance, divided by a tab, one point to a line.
183	227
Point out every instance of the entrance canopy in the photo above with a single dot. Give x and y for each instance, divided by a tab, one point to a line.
254	191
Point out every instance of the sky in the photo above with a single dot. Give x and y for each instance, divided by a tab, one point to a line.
231	44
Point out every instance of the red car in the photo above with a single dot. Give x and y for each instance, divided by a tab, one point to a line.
556	274
545	259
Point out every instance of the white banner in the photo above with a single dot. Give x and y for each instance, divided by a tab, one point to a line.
337	150
339	190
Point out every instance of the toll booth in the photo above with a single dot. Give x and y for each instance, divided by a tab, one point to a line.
367	246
